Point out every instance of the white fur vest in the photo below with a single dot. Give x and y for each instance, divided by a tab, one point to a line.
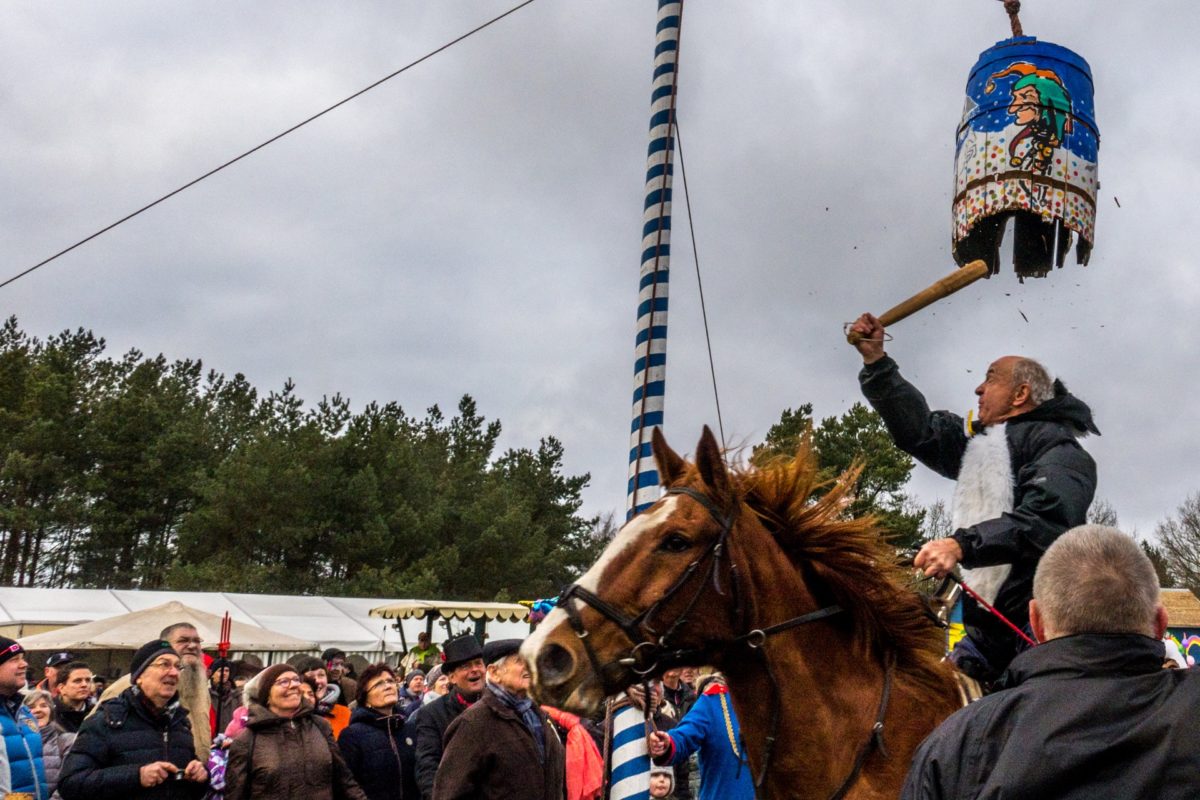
984	491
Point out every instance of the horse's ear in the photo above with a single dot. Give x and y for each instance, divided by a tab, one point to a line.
670	465
711	464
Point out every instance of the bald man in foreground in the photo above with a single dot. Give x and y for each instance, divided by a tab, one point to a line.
1088	713
1022	480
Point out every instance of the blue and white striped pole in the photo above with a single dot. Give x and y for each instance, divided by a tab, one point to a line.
650	348
630	755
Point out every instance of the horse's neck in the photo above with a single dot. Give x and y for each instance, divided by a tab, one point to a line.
826	697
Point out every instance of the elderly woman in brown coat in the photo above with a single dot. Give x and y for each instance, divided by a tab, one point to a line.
503	746
286	752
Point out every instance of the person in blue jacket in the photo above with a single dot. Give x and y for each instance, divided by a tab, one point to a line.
24	771
710	728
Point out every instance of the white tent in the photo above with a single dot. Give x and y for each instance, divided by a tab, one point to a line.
342	622
131	630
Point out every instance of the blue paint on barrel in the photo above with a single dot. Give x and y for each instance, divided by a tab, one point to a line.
1027	146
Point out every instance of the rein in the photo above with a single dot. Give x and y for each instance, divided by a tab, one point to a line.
649	652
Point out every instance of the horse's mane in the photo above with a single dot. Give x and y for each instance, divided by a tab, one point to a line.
850	558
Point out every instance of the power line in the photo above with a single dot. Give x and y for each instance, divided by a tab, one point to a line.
273	139
703	310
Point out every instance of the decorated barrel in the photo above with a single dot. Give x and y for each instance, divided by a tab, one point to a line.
1026	150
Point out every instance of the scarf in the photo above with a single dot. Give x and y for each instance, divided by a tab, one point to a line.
527	711
585	765
329	699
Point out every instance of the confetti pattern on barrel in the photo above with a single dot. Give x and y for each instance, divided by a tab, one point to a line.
1028	140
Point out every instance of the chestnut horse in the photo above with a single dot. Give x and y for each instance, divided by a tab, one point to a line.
835	670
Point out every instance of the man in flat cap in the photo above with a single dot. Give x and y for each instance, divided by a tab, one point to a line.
504	746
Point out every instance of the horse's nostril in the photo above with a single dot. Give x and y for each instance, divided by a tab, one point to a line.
555	664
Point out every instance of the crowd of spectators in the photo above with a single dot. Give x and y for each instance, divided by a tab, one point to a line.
461	723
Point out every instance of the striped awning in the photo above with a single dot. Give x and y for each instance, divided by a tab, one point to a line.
420	609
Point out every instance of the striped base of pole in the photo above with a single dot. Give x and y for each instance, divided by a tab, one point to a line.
630	756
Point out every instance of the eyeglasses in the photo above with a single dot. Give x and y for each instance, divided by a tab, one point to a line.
386	683
283	683
165	664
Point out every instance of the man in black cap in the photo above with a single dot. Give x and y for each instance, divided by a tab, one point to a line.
464	666
139	740
22	742
49	681
193	683
504	746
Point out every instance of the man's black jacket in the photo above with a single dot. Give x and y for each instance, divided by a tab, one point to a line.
432	722
117	741
1054	482
1086	716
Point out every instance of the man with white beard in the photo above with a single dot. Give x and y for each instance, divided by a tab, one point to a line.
193	683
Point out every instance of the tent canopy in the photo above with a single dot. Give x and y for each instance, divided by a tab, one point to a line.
131	630
342	622
419	609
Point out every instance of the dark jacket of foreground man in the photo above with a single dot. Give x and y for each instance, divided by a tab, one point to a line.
114	744
491	755
1087	716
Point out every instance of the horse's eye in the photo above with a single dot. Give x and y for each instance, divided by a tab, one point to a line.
675	543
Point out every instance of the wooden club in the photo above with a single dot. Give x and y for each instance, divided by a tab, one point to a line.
963	276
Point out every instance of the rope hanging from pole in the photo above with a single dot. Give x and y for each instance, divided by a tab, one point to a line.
1013	7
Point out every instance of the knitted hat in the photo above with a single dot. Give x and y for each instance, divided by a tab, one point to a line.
412	674
220	663
9	648
266	679
145	654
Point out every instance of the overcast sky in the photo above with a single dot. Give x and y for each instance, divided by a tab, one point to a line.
474	226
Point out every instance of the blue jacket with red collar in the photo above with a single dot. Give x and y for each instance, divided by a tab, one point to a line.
711	728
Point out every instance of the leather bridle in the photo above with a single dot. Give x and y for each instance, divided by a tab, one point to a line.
652	651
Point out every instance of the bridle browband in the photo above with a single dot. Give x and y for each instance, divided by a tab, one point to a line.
650	650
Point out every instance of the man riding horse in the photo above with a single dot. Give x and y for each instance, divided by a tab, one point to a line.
1022	480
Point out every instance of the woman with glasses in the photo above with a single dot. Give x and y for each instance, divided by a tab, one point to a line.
138	745
371	743
286	751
